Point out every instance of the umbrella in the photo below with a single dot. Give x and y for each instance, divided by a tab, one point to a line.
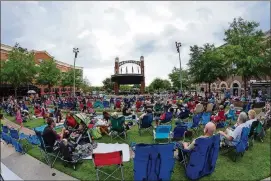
31	92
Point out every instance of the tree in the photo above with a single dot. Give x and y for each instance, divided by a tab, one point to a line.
49	74
20	68
85	85
125	88
245	48
67	78
158	84
206	64
174	77
108	85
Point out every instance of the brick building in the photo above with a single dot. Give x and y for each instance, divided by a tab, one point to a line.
234	83
40	56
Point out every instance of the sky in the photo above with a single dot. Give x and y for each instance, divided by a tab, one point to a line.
105	30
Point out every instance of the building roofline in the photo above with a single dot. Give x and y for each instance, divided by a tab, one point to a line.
9	48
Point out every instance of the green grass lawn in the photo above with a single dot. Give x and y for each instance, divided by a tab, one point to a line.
254	165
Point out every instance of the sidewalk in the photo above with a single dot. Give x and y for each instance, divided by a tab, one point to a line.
26	166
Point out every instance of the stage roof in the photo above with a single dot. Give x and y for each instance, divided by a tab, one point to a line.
127	78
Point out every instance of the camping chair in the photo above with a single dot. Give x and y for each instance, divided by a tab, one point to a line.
179	132
5	129
145	124
202	159
206	117
242	145
106	104
47	151
154	162
194	125
16	139
162	132
231	115
118	128
107	159
255	132
168	119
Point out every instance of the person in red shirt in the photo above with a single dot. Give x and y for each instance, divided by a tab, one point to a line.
70	121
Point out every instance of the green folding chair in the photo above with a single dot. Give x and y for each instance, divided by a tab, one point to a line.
117	129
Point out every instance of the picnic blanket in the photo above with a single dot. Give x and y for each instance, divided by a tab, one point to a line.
106	148
41	128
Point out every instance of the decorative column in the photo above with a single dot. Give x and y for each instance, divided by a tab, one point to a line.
116	71
142	84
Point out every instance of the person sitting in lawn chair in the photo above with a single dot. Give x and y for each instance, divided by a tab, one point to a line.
50	136
165	117
220	116
148	111
208	131
232	136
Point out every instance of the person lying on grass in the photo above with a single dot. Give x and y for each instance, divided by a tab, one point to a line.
230	137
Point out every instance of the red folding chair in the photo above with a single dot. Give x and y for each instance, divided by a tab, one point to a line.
107	159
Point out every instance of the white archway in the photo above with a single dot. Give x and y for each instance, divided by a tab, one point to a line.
236	82
223	83
214	86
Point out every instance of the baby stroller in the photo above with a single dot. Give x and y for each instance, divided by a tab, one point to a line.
25	115
81	136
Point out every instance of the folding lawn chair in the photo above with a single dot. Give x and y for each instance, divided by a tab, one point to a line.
5	129
47	151
179	132
256	131
16	140
106	104
241	146
206	117
162	132
107	159
194	125
117	128
202	159
7	138
154	162
168	119
231	116
145	124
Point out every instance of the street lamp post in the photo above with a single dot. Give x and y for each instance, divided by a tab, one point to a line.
75	51
178	45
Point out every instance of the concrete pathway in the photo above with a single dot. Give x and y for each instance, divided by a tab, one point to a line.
26	166
267	179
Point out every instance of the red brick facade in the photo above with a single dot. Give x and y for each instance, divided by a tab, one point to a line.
40	56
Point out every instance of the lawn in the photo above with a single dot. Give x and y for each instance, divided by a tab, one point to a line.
254	165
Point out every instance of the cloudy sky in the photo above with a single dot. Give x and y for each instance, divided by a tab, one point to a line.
105	30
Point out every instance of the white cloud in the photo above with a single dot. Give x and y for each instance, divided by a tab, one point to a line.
104	30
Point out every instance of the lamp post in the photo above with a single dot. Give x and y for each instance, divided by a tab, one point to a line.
75	51
178	45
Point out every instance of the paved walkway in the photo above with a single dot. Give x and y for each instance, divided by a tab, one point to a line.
26	166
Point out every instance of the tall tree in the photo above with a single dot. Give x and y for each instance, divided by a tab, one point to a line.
85	85
174	77
67	78
20	68
244	48
159	84
108	85
49	74
206	64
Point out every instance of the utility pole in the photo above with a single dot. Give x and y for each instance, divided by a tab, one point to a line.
178	45
75	51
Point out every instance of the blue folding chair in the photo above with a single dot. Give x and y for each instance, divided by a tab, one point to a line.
179	132
231	115
162	132
145	124
194	125
106	104
168	119
206	117
5	129
16	140
154	162
242	145
6	138
201	160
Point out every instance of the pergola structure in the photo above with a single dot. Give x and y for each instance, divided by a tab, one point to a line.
128	78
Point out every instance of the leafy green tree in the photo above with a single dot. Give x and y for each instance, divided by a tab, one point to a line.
245	48
85	85
20	68
125	88
67	78
174	77
159	84
49	75
206	64
108	85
